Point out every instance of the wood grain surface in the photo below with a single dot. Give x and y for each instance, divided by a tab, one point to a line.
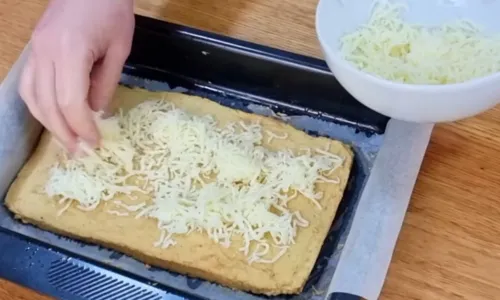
449	247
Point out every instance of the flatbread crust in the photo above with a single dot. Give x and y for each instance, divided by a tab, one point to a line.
194	254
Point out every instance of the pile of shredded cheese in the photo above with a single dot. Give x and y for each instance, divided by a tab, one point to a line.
399	51
202	177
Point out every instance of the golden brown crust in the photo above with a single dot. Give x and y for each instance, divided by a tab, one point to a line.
194	254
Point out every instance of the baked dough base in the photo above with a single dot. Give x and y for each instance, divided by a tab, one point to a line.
194	254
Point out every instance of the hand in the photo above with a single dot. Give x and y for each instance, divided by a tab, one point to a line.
78	52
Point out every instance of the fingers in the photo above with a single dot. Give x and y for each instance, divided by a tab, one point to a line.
27	92
39	97
106	76
56	95
72	83
45	91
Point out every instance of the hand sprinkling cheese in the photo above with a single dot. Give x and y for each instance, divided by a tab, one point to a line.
200	176
391	48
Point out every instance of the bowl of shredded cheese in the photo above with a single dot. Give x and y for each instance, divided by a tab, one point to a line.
421	61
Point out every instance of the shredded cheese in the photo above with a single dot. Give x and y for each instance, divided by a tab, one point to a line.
117	213
272	135
65	207
201	177
131	208
396	50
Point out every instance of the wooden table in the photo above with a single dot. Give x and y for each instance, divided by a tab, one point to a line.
449	247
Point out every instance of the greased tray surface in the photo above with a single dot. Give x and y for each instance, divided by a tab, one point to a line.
240	75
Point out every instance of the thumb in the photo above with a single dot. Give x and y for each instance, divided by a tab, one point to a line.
105	77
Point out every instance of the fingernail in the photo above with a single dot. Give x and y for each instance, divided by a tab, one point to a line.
88	142
88	146
98	115
107	114
82	149
104	114
78	153
93	143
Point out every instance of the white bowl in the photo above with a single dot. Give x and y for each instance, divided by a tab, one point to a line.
408	102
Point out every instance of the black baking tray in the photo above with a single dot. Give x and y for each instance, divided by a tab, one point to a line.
298	89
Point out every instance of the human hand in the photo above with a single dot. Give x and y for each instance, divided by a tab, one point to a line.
78	52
